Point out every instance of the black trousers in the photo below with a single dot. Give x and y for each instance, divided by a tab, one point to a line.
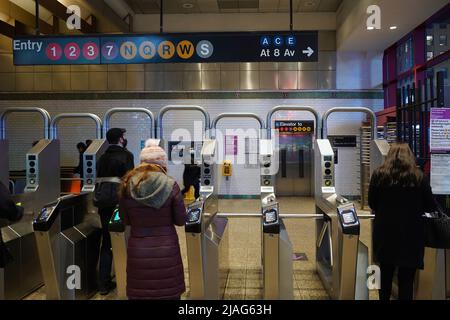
405	282
106	257
187	186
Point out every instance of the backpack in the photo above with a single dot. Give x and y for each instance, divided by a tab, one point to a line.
106	193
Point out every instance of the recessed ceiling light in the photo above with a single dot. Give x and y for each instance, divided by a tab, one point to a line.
188	5
370	28
393	28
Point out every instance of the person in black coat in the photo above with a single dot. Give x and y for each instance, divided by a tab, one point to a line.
11	213
399	195
81	147
115	162
191	177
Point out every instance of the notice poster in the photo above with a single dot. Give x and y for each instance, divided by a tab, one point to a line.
231	145
440	130
440	173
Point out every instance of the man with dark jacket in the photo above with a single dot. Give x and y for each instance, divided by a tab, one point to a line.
114	163
9	212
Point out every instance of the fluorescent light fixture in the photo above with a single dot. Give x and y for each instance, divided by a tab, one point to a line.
393	28
188	5
370	28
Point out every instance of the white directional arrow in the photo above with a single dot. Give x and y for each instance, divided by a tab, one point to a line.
309	52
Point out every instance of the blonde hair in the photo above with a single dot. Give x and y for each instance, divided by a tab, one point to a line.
145	169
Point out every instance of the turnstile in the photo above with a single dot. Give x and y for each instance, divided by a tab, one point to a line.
4	163
207	245
276	256
119	242
207	235
447	273
68	241
432	282
341	258
276	247
23	275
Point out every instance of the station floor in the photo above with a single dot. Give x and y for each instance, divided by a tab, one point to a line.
245	277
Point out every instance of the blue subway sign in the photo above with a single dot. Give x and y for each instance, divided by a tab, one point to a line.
167	48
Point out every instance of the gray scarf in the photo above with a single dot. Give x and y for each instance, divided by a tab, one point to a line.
152	192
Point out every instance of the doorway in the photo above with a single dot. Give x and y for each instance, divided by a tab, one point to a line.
295	173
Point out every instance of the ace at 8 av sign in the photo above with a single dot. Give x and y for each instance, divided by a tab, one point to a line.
168	48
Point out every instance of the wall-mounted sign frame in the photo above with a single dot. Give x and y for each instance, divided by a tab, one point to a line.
343	141
296	46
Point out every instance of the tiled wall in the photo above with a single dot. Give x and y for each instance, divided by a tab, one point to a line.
170	77
23	129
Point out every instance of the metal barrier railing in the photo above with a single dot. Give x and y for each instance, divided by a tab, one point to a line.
285	216
350	110
109	113
237	115
164	110
44	113
59	117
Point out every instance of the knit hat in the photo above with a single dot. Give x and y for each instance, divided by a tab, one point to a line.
153	153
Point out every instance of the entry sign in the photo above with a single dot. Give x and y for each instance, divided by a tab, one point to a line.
440	130
168	48
47	51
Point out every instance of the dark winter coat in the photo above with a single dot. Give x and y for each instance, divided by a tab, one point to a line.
398	235
9	212
115	162
154	264
79	169
191	174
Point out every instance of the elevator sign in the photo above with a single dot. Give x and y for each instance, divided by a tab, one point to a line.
168	48
294	127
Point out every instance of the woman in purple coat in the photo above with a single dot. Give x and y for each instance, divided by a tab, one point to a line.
152	204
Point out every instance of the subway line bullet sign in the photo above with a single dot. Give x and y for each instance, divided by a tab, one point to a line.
165	48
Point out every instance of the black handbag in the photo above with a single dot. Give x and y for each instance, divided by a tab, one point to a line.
106	193
437	230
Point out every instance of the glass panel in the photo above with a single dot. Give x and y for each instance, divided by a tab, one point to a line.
405	56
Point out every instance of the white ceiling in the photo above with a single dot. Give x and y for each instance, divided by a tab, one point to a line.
231	6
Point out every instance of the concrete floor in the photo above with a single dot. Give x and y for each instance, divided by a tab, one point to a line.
245	277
